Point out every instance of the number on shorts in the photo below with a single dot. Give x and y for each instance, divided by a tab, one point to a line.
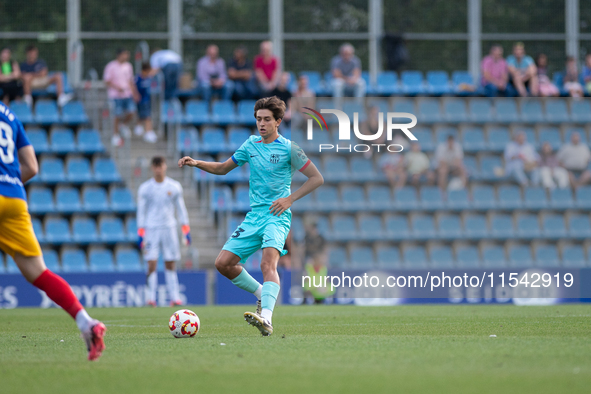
237	232
6	142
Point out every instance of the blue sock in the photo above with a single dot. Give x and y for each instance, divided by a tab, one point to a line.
246	282
268	299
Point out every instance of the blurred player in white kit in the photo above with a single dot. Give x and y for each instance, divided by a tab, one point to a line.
158	199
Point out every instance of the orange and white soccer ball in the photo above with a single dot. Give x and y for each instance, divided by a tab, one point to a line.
184	324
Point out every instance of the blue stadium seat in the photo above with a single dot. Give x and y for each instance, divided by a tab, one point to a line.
423	227
388	257
57	230
481	110
22	111
79	170
528	226
471	166
429	110
379	198
535	198
501	226
431	198
467	257
561	199
406	198
73	113
131	229
449	227
442	132
327	198
297	228
387	83
335	169
352	198
473	139
552	136
509	197
554	226
111	230
362	169
351	107
67	200
221	199
369	87
404	105
531	110
580	111
128	260
412	83
94	199
236	137
546	256
246	112
370	228
583	195
362	257
498	138
89	141
172	111
197	112
520	256
101	260
579	226
74	260
37	229
41	200
438	83
122	200
425	138
494	257
488	168
557	111
242	200
239	174
441	257
52	170
573	257
51	260
105	170
323	226
454	110
187	140
84	230
475	227
213	140
506	110
38	138
337	257
483	197
223	112
461	80
458	199
415	257
397	228
46	112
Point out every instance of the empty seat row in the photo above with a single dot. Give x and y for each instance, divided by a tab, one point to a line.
211	140
223	112
83	230
78	170
62	141
67	200
47	112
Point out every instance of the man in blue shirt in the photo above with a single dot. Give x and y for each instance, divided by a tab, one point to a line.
273	159
522	71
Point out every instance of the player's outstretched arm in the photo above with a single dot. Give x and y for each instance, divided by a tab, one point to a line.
315	180
28	163
212	167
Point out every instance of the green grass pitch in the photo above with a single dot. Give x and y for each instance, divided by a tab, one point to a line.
315	349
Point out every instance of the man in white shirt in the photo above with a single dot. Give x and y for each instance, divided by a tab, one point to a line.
521	158
158	198
449	158
417	165
171	65
575	158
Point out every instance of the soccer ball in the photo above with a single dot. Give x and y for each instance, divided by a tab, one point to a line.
184	324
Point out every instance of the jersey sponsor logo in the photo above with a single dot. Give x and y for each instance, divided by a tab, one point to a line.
274	159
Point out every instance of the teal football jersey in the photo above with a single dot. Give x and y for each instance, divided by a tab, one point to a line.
271	168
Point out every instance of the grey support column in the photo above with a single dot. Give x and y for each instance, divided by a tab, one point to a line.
376	31
474	37
74	48
572	28
175	24
276	28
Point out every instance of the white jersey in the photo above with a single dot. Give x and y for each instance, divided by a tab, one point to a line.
157	202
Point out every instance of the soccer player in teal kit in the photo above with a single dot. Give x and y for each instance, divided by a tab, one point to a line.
273	160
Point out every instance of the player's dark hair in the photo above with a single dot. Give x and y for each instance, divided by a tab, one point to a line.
273	104
157	161
30	48
146	66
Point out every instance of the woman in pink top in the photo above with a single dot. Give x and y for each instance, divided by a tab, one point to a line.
266	68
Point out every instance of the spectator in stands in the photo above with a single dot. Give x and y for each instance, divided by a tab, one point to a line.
392	165
143	83
315	264
551	173
587	73
282	91
495	73
547	88
521	160
122	92
571	78
267	68
449	159
171	65
346	73
417	166
304	97
522	71
211	75
10	77
240	73
34	72
575	157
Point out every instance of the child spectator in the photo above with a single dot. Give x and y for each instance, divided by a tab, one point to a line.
417	165
10	74
571	78
282	92
587	73
547	88
143	83
449	157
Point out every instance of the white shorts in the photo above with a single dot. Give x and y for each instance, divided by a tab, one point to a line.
163	240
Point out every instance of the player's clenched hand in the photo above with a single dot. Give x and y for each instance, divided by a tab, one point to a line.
280	205
188	161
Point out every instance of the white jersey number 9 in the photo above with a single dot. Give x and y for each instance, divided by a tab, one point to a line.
7	142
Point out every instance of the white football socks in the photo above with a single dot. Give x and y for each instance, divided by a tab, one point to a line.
172	284
152	286
83	320
258	292
267	314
